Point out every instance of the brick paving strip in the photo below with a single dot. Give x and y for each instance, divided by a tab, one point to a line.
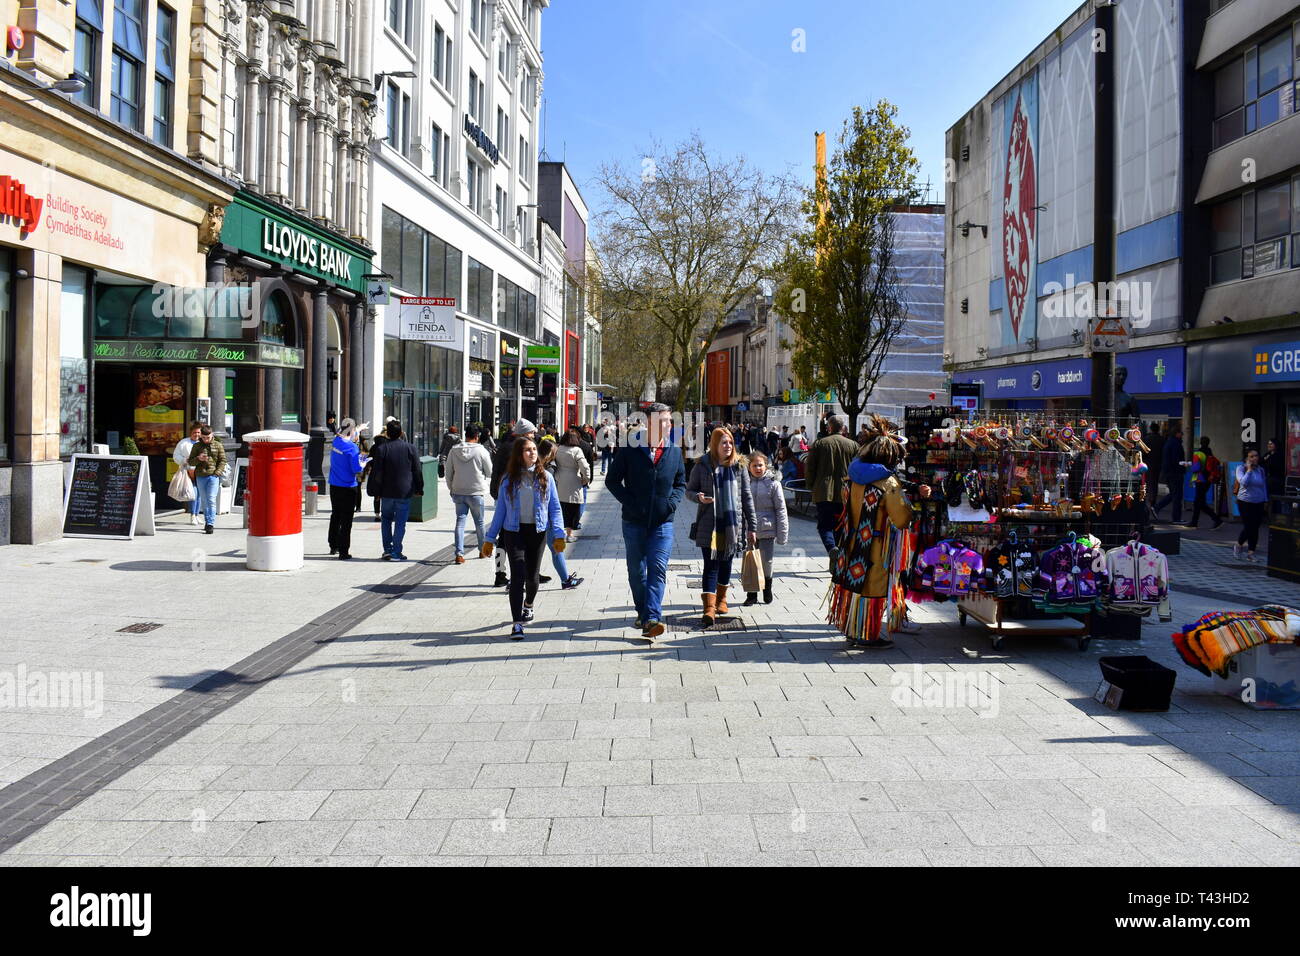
30	803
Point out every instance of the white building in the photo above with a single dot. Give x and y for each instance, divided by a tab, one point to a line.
454	202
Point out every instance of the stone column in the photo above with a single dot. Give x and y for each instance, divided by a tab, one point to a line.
272	398
319	377
37	474
217	376
318	206
302	189
356	363
369	342
252	103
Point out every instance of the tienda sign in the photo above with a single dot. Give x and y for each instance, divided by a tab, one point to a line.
17	204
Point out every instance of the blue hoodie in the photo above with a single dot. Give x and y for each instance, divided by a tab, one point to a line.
865	473
345	463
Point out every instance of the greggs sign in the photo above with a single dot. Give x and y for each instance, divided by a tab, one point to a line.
18	205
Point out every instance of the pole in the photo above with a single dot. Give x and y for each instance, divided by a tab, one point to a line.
1103	215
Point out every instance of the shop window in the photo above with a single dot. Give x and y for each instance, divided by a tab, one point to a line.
278	325
479	299
291	410
412	256
147	321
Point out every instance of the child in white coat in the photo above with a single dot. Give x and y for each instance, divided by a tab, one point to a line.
770	513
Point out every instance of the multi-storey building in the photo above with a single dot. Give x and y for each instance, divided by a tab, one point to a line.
455	207
101	203
1154	145
565	212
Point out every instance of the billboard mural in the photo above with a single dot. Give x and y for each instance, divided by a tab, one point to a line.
1019	193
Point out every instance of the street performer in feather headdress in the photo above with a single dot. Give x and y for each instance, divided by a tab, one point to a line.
873	547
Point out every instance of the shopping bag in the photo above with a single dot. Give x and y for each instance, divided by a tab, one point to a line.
181	488
751	572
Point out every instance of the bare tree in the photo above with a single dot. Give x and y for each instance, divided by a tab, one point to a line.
683	239
840	285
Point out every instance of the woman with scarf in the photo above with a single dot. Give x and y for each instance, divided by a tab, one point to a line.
725	524
872	545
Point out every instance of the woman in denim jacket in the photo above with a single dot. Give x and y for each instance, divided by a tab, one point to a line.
527	508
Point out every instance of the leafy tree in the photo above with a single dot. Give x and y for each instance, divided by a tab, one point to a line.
840	289
684	239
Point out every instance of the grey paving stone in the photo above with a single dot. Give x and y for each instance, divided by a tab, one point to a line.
460	804
292	838
1011	828
182	778
552	802
655	800
1121	793
725	798
875	768
647	748
801	830
563	751
460	730
1109	825
212	840
375	804
511	775
90	838
496	837
882	830
810	746
666	860
724	747
1042	767
428	776
696	770
934	795
1279	790
573	835
849	797
410	754
261	805
1028	794
982	856
192	805
537	730
707	833
350	777
424	861
606	773
873	857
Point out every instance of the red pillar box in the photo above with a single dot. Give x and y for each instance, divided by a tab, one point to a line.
275	500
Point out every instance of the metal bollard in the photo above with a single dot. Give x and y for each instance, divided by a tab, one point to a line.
310	499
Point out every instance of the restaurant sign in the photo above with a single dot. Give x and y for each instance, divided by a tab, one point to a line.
165	352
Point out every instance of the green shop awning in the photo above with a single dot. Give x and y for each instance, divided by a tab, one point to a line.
267	231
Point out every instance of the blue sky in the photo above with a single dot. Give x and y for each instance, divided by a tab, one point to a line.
620	73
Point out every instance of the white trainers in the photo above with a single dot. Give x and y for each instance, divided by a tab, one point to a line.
194	520
1236	550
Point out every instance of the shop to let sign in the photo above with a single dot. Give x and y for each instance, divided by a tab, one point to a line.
430	320
545	358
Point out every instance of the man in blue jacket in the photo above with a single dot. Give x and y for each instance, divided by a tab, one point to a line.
345	467
649	480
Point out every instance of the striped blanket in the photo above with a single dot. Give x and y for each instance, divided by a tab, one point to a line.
1213	640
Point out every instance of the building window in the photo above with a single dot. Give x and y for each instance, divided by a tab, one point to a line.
398	119
399	19
128	62
164	77
439	61
524	161
85	57
443	278
503	133
477	18
1256	90
474	178
477	98
501	210
1256	233
479	294
436	154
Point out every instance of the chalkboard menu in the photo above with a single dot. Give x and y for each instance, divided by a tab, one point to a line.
103	496
240	485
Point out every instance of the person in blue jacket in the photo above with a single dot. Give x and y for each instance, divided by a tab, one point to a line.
649	480
345	468
528	507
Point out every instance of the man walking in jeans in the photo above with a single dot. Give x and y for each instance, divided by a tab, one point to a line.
827	469
398	477
649	480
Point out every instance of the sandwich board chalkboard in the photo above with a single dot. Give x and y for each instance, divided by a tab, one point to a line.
239	486
108	496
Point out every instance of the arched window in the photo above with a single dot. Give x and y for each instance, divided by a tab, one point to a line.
278	324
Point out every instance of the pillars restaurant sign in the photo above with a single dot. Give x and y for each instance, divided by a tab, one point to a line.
198	353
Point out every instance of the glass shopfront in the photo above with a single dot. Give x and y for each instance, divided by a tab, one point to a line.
422	389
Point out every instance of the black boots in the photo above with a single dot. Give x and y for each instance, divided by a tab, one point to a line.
767	593
751	598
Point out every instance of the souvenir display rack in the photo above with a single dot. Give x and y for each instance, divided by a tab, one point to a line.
1044	477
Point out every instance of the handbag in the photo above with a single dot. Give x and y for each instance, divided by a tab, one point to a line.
751	572
181	488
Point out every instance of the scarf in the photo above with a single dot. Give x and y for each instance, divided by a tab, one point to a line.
725	542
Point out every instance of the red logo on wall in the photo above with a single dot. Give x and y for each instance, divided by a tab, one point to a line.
1019	218
16	204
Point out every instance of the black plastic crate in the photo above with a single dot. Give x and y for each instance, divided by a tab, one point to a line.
1143	684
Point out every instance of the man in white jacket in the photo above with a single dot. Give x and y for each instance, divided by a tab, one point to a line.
182	458
469	473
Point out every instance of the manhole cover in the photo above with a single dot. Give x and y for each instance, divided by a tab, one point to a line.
144	627
682	623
